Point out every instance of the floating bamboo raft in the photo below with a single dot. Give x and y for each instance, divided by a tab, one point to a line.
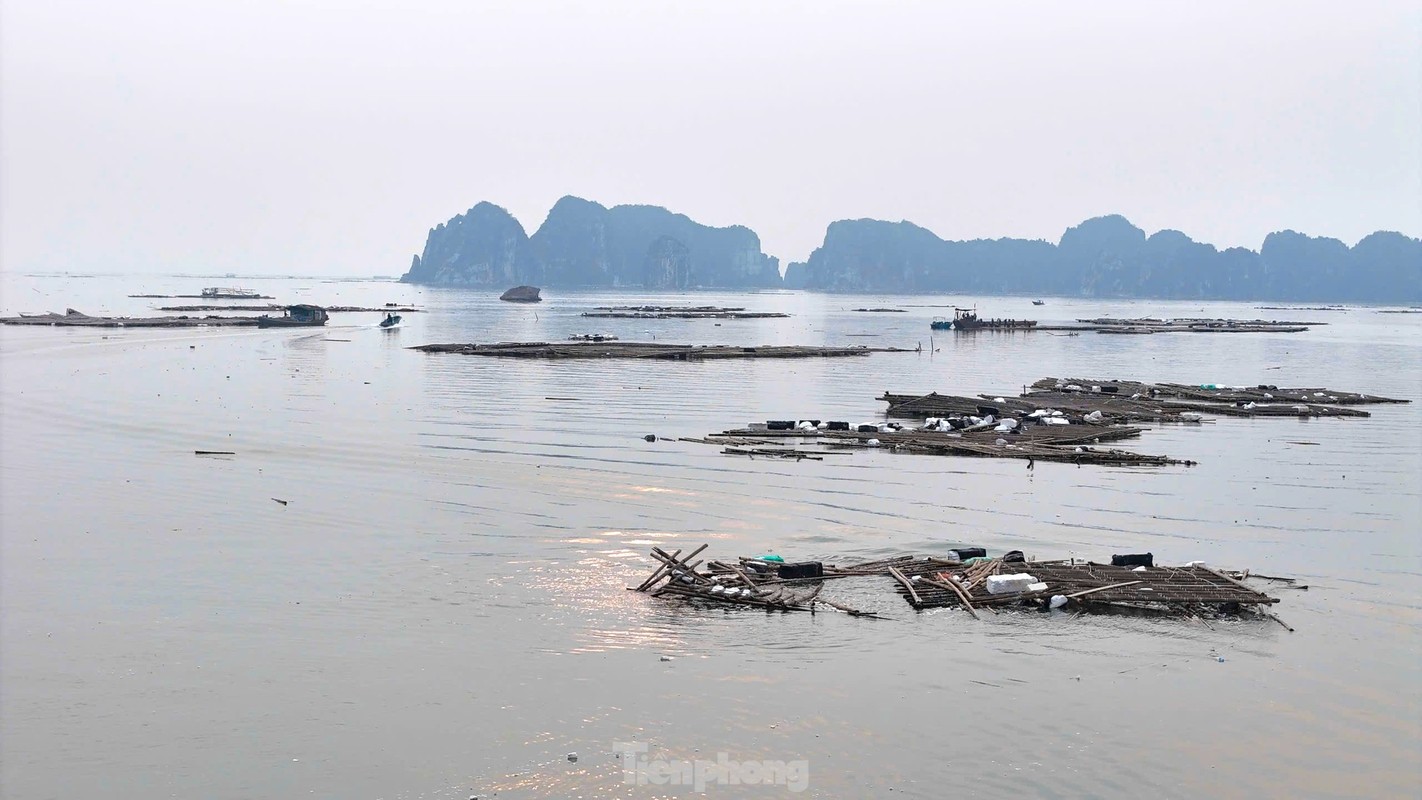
1089	585
1147	325
1060	444
205	296
74	319
1127	402
1115	410
1194	325
679	312
928	582
1259	394
649	350
397	309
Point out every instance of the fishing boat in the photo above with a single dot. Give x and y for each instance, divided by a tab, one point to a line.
965	319
297	316
390	321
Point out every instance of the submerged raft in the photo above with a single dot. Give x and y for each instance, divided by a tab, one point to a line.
971	583
648	350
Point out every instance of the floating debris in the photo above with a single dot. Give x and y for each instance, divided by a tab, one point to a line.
650	350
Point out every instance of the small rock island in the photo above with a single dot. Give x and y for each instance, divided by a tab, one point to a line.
521	294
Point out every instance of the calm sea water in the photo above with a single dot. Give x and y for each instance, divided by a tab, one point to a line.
440	610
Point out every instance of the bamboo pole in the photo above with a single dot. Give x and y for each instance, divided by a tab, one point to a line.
899	576
657	574
962	596
1086	592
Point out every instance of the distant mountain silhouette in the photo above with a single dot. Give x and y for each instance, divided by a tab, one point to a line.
583	243
1110	257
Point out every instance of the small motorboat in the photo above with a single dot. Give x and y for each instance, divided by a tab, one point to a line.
390	321
1039	302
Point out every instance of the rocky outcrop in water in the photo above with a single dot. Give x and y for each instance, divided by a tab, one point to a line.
583	243
1110	257
521	294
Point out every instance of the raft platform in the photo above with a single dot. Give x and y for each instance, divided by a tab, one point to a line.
649	350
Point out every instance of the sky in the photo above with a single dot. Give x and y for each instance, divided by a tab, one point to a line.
328	136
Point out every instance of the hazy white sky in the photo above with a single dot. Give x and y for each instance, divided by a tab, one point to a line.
328	136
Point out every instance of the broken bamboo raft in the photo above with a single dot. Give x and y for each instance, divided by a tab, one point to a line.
1194	590
649	350
972	584
1065	444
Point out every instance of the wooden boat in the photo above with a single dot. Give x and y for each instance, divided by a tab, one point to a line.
297	316
968	320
